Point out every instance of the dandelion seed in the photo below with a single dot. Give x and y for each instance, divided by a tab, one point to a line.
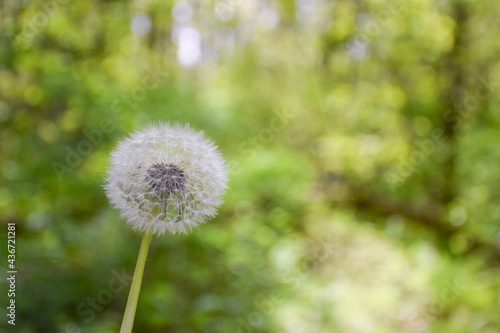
166	177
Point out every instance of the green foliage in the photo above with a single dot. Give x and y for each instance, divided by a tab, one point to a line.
362	140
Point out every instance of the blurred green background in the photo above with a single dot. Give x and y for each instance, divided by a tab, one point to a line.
363	138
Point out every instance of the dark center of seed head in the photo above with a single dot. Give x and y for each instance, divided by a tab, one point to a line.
166	178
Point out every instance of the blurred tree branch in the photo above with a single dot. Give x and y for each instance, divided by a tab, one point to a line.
428	216
453	98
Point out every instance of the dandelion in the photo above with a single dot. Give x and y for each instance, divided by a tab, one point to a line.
164	178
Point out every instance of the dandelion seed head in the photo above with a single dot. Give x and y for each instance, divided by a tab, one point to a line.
166	177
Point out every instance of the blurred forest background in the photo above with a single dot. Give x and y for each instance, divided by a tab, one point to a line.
363	138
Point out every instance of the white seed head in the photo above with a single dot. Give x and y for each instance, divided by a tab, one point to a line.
166	177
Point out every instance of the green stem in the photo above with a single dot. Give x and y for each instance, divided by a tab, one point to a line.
133	296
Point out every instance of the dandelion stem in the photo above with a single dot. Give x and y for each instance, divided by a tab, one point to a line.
133	296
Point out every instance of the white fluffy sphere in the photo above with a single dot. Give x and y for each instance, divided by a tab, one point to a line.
166	177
